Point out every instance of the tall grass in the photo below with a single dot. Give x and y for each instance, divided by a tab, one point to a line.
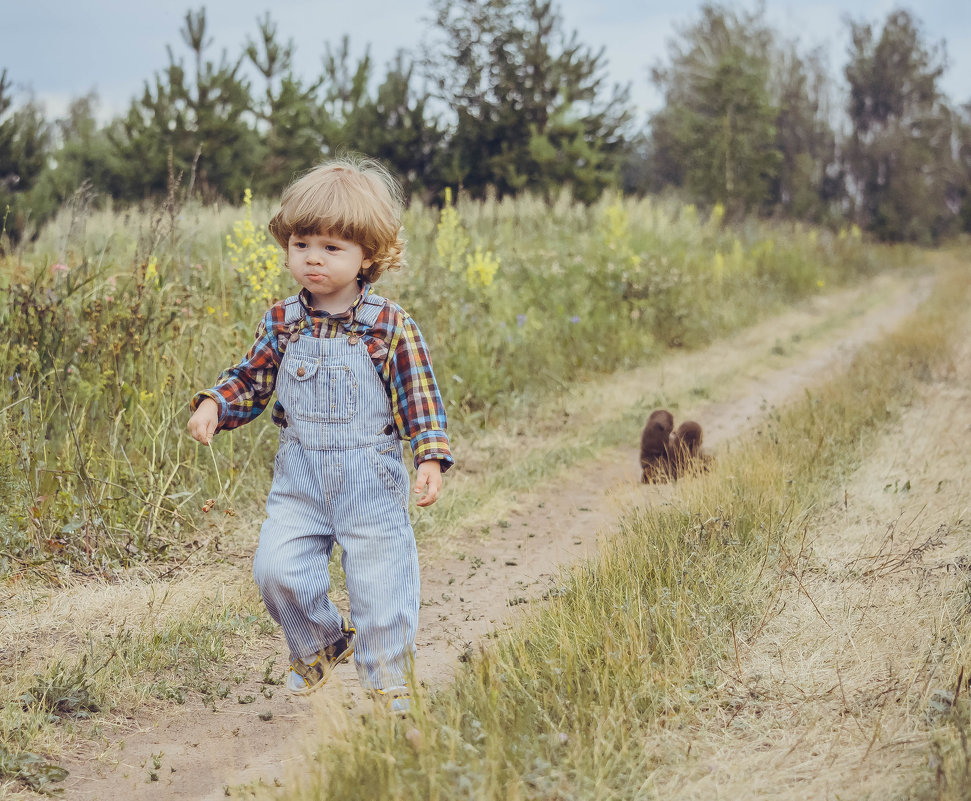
635	641
114	318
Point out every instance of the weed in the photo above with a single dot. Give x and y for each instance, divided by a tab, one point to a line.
63	692
640	639
31	770
268	677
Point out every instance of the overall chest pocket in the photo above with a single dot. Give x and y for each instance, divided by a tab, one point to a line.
314	391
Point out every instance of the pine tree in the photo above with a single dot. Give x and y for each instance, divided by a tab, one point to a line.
716	134
527	100
201	118
397	127
289	114
24	148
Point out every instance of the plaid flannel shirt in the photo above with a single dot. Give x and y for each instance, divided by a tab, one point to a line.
396	348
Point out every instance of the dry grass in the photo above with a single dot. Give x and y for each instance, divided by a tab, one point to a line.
841	691
101	651
541	441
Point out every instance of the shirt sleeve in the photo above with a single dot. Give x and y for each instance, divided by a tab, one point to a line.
416	402
243	391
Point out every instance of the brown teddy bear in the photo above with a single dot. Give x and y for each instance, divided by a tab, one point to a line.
666	453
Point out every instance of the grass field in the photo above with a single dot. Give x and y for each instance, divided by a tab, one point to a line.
114	318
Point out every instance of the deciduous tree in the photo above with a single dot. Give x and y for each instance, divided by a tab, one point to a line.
809	183
899	153
716	134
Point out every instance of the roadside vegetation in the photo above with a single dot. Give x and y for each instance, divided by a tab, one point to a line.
111	328
135	264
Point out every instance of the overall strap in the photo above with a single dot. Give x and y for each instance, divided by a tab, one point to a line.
293	310
366	314
294	321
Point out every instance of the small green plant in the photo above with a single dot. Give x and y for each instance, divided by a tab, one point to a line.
153	775
102	352
639	640
268	677
32	770
63	691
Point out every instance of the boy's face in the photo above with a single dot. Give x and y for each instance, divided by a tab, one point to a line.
327	267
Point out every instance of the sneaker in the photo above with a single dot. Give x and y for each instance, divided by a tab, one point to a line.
305	677
396	700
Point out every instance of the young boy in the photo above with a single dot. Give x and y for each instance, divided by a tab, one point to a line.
353	378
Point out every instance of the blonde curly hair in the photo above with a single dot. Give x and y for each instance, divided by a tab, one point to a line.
350	197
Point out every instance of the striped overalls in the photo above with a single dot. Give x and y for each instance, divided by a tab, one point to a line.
339	477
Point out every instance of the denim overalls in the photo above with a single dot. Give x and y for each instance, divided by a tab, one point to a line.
339	477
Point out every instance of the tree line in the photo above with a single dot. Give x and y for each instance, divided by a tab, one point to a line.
504	100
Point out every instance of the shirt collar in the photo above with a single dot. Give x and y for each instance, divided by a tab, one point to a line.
307	304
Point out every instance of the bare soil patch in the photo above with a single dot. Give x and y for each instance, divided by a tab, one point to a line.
511	554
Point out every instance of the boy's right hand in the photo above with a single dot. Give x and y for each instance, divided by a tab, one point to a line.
202	424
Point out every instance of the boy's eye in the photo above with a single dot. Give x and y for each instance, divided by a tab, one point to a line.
331	248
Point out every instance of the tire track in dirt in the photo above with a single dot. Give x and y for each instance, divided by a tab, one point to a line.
480	584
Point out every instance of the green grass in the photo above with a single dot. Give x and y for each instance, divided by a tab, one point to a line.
635	642
100	477
100	359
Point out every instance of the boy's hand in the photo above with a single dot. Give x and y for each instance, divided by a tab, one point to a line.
202	424
429	481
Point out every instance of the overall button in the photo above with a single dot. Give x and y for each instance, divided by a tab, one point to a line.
294	336
353	339
301	371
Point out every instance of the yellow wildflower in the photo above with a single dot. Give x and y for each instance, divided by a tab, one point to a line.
481	268
256	259
451	241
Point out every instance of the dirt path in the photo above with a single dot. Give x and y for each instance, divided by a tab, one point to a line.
483	577
839	695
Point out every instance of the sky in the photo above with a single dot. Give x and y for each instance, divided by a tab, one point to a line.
57	50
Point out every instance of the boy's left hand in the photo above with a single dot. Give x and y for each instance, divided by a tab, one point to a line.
429	482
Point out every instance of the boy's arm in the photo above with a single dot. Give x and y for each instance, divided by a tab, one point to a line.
416	402
243	391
